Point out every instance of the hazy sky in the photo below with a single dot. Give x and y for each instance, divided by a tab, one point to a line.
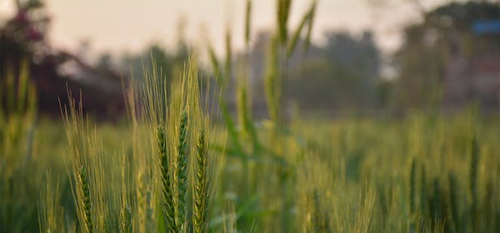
128	25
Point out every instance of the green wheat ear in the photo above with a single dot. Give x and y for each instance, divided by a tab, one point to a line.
168	206
126	219
181	168
201	188
85	189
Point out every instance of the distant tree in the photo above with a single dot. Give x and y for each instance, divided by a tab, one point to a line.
340	75
167	63
104	61
23	36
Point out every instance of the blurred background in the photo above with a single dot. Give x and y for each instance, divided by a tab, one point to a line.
367	57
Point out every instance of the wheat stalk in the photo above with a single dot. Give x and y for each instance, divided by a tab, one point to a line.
312	14
229	58
452	182
283	7
413	194
306	21
423	190
474	161
248	14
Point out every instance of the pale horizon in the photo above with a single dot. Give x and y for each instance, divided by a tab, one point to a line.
119	26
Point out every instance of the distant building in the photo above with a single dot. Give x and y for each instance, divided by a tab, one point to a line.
475	76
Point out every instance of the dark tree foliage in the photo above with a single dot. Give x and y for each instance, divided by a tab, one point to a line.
53	72
342	75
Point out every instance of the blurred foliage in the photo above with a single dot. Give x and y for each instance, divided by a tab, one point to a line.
23	36
168	63
341	75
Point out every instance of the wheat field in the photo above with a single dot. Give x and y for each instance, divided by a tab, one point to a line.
176	163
